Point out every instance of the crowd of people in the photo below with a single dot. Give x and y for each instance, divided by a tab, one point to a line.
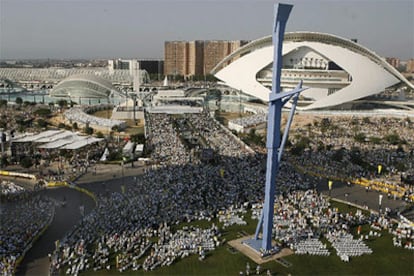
11	117
79	116
232	216
164	140
177	190
137	224
8	187
21	223
303	217
354	147
346	246
171	192
258	116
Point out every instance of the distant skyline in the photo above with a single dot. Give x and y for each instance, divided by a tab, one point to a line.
90	29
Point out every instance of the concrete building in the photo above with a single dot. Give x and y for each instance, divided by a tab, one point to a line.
122	64
132	65
152	66
394	62
336	70
196	58
410	66
175	58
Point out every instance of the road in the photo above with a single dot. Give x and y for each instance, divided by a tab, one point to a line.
36	261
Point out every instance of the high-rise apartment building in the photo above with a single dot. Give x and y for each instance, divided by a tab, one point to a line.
195	58
410	66
175	58
189	58
216	50
394	62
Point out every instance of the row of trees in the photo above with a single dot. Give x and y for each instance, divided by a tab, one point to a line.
20	102
392	139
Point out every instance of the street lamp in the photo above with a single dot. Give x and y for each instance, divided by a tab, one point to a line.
123	180
330	186
380	202
134	98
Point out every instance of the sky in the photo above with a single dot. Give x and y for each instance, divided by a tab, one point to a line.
138	28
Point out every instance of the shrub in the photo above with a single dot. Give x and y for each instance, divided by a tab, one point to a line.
26	162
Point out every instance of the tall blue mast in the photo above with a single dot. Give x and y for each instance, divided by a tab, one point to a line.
274	144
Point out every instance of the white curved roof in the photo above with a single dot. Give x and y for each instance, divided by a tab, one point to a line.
370	73
88	86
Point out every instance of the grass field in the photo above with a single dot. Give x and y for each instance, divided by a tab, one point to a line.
385	260
103	113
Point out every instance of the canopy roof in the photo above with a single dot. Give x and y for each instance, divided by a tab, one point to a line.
58	139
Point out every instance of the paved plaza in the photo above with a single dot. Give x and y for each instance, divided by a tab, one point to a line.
254	255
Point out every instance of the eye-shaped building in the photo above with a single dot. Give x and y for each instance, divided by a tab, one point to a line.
337	70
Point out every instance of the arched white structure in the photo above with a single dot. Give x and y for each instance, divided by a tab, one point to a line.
85	86
337	70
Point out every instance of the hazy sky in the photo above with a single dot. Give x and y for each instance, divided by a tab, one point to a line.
138	28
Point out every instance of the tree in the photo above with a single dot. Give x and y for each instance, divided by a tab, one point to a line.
88	130
75	126
4	162
356	157
62	103
253	138
19	101
26	162
114	155
393	139
400	166
375	140
338	155
360	137
22	122
300	145
309	128
44	112
3	103
354	121
42	123
99	134
66	153
325	123
320	146
366	120
3	123
138	138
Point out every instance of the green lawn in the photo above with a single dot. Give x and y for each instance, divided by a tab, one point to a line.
385	260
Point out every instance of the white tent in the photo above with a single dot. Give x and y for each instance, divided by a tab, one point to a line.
105	155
